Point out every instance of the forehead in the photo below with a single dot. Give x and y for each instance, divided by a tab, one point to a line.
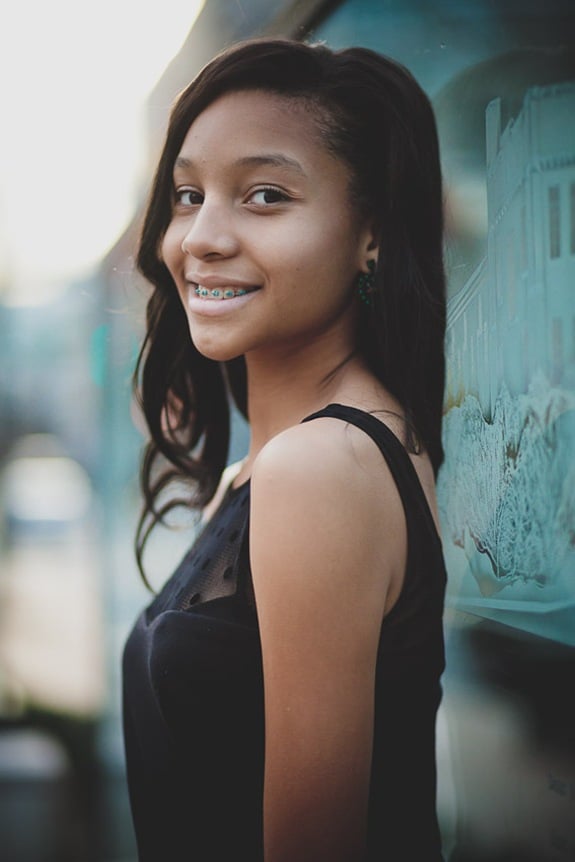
242	123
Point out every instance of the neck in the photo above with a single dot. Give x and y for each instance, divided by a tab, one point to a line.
286	385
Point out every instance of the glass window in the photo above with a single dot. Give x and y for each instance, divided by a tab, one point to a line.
554	221
501	78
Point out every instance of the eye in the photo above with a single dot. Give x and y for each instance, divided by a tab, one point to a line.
268	195
187	197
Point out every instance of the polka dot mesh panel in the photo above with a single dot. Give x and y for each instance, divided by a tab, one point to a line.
210	568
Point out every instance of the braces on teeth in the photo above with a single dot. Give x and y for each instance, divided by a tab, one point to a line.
219	293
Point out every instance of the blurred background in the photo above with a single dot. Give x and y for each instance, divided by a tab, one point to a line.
85	94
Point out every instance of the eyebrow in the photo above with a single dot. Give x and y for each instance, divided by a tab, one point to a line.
277	160
181	162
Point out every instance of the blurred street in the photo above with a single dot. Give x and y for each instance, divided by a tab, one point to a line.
52	684
51	625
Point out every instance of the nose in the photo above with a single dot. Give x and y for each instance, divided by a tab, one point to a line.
210	232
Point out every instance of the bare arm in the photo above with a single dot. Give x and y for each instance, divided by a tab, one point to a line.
320	578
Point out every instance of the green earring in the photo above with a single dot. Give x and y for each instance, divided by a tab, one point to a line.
366	283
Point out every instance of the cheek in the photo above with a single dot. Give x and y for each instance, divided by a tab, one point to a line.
325	257
171	255
170	249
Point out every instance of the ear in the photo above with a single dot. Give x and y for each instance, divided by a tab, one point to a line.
368	245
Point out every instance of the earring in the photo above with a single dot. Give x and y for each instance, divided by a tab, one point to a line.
366	283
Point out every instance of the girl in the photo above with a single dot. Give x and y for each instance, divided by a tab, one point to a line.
281	690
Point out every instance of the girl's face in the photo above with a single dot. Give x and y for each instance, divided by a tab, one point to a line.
264	245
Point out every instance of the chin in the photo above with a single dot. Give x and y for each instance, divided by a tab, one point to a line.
215	350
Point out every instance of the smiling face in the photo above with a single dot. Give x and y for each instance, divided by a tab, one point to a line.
264	245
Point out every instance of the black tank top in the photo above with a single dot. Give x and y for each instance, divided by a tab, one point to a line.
193	693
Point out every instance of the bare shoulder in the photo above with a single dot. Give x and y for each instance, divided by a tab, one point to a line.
310	452
329	458
323	501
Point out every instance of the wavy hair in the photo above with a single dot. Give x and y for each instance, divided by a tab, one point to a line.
372	114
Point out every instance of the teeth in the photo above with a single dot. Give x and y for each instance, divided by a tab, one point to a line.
219	292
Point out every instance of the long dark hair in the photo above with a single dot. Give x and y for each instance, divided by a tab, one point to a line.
375	117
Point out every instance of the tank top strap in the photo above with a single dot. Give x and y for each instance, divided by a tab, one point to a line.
398	461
